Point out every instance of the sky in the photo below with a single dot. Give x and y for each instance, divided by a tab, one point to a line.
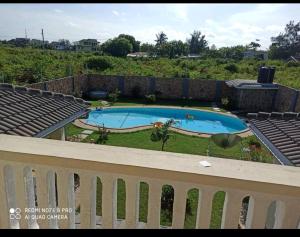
222	24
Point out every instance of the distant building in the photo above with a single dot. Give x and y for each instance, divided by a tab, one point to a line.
192	56
60	45
86	45
138	55
19	42
38	43
256	54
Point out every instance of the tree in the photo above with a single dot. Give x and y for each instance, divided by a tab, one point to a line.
149	48
118	47
213	47
235	52
162	133
135	44
161	38
197	43
66	43
286	44
253	46
161	46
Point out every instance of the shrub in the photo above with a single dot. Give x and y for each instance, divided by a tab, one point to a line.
225	102
292	64
113	97
220	61
255	143
98	63
151	98
136	91
103	135
232	68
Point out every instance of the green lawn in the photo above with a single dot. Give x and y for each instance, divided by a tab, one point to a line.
180	144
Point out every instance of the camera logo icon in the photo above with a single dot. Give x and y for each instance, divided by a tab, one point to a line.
15	213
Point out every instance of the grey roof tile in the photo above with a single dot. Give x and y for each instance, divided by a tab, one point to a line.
28	112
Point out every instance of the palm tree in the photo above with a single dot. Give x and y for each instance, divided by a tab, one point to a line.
161	133
161	38
197	43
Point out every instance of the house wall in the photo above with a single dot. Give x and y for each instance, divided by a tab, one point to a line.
255	100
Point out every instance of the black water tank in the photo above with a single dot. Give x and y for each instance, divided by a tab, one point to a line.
271	74
263	75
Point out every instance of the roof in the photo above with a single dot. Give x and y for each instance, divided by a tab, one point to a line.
138	54
280	132
36	113
250	84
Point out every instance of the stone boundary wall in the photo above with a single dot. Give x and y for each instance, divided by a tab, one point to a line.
285	99
170	88
73	85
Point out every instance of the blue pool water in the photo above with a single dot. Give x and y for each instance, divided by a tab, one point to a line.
200	121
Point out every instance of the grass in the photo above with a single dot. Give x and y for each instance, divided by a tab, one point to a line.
180	144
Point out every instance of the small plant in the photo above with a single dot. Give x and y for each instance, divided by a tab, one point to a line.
231	68
255	144
98	63
255	156
113	97
136	91
103	135
225	102
151	98
162	133
292	64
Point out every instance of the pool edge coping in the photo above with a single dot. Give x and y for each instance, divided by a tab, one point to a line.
80	123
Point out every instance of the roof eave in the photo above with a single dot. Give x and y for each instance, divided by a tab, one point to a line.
61	124
278	155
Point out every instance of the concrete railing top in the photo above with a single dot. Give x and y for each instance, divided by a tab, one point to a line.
223	173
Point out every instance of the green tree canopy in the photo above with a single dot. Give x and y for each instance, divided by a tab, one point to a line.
161	38
135	44
197	43
253	45
118	47
286	44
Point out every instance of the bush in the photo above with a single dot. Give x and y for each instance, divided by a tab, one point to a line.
232	68
98	63
151	98
225	102
292	64
103	135
113	97
255	143
136	91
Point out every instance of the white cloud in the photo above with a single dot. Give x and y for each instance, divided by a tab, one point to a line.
116	13
180	11
58	10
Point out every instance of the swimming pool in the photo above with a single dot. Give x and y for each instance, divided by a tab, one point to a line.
192	120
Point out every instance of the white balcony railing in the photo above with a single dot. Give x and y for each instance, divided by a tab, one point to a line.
20	156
